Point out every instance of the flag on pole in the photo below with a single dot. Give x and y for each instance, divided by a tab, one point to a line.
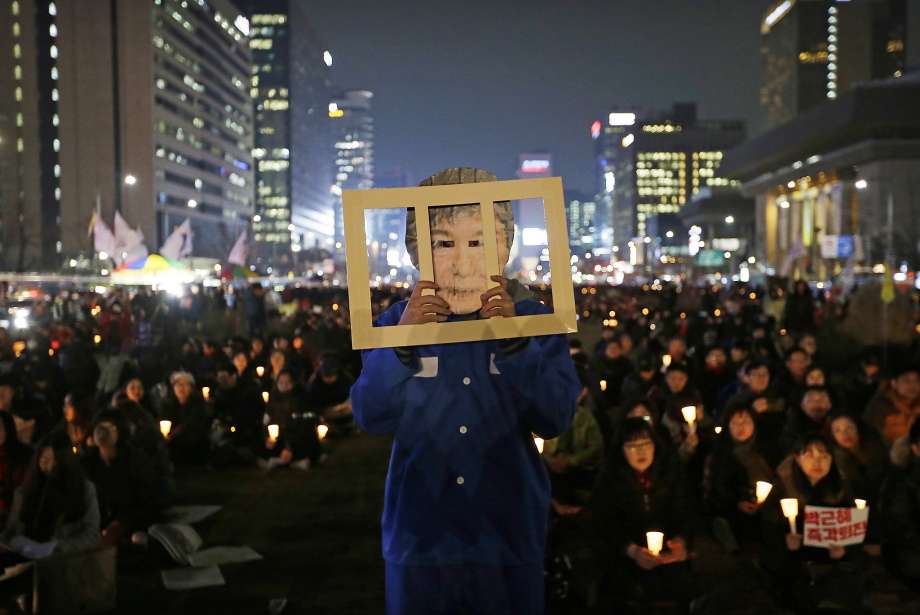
240	250
129	243
103	239
887	285
179	243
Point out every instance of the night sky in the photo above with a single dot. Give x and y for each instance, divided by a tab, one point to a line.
476	83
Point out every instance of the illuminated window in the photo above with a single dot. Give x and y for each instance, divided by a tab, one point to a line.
15	7
17	72
276	105
52	30
17	51
54	73
15	28
54	51
18	94
19	145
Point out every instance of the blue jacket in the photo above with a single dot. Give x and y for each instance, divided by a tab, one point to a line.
465	483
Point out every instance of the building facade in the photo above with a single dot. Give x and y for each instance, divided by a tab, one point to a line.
353	142
142	111
291	88
812	50
651	163
839	185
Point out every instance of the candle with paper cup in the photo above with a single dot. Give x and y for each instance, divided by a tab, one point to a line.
762	490
265	396
165	428
260	371
790	511
666	360
206	393
689	413
860	504
273	431
321	431
603	385
655	542
539	442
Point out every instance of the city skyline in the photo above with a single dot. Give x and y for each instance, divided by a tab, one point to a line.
581	54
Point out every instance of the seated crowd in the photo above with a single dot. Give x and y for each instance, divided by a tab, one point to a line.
92	463
672	434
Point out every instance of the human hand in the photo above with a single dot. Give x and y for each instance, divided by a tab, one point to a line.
644	558
873	550
793	542
424	308
836	552
677	552
760	405
748	508
496	301
692	440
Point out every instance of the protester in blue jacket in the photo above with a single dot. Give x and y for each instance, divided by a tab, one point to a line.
467	495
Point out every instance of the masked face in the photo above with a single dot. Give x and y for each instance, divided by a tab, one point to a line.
458	252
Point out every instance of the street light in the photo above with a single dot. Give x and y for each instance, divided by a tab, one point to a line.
729	219
130	180
861	184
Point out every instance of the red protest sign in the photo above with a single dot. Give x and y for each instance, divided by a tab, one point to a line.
828	526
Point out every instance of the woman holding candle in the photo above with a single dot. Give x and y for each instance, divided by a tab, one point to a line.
188	437
739	460
639	492
808	575
298	444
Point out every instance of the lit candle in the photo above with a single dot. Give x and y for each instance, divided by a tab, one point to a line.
273	431
718	429
666	360
860	504
97	339
689	413
265	396
260	371
539	442
790	511
603	385
206	393
165	427
762	490
655	542
321	431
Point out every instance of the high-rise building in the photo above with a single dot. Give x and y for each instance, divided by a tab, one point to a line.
353	138
143	110
652	163
291	87
811	50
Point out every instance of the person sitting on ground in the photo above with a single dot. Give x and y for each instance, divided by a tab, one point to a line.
637	384
810	418
184	407
714	376
670	399
737	462
77	422
758	394
14	460
892	411
328	392
574	457
612	367
811	576
640	491
238	417
55	510
900	510
862	383
298	444
792	380
126	487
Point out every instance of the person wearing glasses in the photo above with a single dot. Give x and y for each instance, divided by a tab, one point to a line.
639	491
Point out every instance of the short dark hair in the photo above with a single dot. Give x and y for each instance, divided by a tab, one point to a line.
794	350
806	441
635	428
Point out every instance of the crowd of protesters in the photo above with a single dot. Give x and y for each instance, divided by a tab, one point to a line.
767	403
103	400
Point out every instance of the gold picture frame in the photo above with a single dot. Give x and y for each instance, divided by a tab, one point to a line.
365	335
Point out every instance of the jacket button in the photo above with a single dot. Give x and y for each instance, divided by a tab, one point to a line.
459	480
466	380
463	429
